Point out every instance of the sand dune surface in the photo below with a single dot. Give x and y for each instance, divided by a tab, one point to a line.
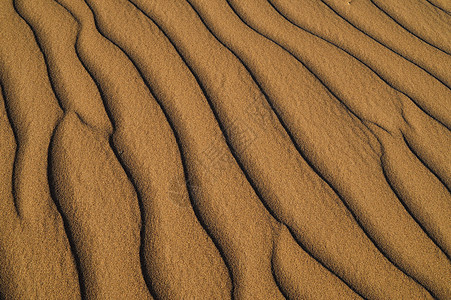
225	149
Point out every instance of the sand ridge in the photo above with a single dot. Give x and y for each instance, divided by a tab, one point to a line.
224	149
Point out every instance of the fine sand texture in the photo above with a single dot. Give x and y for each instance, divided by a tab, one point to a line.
225	149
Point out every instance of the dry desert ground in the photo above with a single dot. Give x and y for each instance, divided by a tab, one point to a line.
225	149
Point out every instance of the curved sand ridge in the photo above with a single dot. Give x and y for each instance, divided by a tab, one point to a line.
195	149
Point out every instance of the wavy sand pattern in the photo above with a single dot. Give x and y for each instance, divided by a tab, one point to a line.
225	149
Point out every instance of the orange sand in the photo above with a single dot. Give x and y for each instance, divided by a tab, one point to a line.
225	149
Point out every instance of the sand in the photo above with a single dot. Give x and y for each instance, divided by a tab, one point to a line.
225	149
